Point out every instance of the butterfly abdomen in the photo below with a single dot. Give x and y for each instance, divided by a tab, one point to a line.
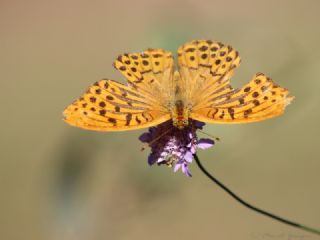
180	115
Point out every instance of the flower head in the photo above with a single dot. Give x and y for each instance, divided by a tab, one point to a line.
174	147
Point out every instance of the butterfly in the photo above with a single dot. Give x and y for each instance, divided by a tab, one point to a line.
157	91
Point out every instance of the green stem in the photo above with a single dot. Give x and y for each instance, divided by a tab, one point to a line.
263	212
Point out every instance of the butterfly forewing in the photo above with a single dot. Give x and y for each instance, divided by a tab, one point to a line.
149	72
111	106
206	68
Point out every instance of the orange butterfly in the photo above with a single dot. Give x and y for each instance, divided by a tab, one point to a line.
156	92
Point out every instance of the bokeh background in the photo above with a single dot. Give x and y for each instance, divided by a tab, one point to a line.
60	182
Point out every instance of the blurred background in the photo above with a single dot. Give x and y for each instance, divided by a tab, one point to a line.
60	182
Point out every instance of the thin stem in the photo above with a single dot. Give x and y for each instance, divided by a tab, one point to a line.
248	205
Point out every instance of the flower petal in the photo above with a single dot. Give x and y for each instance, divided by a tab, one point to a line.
193	149
185	170
205	143
188	156
152	158
177	166
198	124
145	137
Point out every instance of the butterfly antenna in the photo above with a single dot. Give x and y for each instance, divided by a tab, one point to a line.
214	137
155	139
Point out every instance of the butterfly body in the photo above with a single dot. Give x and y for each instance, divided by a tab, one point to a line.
198	89
180	115
178	108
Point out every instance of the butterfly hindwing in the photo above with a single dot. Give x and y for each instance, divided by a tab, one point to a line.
110	106
260	99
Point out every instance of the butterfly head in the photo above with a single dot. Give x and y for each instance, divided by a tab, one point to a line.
181	124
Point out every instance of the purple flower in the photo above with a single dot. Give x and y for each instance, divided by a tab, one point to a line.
174	147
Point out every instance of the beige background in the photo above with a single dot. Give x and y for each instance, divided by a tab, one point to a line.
59	182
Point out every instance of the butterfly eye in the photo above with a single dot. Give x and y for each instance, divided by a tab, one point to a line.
185	122
175	122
